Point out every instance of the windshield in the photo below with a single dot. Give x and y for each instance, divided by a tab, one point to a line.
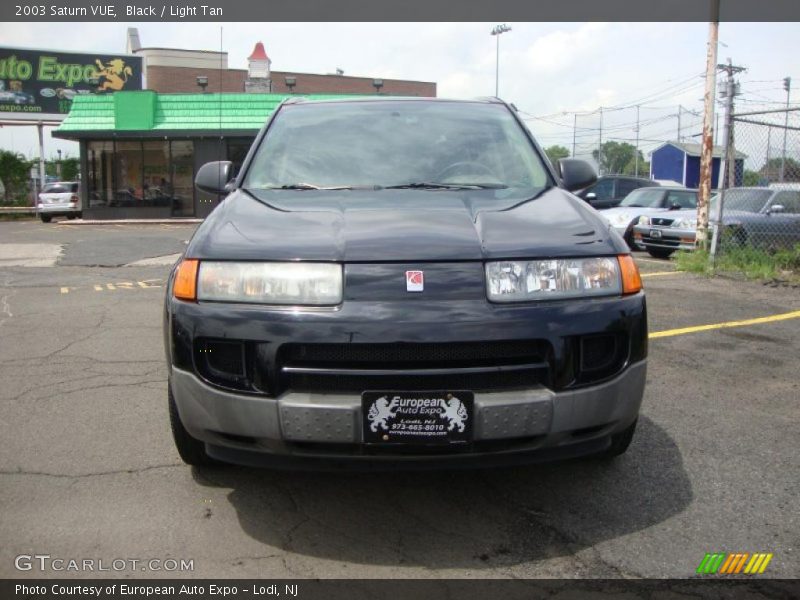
60	188
644	197
412	144
746	200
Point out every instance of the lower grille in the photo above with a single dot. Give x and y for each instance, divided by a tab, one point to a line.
661	241
475	366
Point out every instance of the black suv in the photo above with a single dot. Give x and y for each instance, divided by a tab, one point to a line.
404	282
609	190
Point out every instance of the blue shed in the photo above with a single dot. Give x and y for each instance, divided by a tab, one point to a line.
680	161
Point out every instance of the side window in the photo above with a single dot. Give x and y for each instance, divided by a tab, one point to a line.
682	199
602	189
789	200
626	186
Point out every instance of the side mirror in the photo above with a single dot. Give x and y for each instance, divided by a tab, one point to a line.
576	174
776	208
590	196
213	177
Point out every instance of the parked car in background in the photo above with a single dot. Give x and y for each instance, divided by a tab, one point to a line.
767	218
402	282
59	199
609	190
649	201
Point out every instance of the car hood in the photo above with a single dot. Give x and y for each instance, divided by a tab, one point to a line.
400	226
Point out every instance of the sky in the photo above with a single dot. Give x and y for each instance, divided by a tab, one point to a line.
557	74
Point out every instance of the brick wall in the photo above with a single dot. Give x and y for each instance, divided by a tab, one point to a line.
168	80
308	83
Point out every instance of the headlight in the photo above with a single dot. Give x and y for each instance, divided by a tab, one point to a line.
643	220
685	224
520	281
315	284
620	220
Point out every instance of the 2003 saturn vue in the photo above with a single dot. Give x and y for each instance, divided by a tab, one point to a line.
404	282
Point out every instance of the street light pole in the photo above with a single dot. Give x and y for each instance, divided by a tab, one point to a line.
787	85
496	31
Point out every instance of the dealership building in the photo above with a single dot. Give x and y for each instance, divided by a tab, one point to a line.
141	146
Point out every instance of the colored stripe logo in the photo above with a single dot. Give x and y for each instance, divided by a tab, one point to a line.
722	563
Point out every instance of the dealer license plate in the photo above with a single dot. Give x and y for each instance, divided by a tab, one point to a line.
655	233
430	417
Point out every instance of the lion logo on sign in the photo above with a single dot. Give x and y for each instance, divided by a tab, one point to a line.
115	73
380	411
455	412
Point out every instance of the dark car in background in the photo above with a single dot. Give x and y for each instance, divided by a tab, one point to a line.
609	190
402	282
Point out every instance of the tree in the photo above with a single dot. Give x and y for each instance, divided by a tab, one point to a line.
70	167
771	171
554	153
616	156
751	178
14	172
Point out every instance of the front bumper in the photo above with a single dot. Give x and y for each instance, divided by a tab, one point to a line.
510	425
666	238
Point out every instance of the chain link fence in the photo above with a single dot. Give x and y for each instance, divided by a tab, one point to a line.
757	211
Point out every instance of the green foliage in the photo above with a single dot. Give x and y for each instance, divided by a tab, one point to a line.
70	167
751	178
772	169
753	263
616	156
554	153
14	173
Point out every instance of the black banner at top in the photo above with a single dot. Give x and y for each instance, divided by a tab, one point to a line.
45	82
396	10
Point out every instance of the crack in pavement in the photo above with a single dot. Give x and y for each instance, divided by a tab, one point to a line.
20	471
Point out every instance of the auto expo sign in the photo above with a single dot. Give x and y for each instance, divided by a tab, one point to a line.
40	81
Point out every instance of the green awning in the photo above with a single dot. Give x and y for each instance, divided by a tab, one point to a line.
148	113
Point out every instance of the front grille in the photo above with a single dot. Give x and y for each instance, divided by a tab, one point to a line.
479	366
664	222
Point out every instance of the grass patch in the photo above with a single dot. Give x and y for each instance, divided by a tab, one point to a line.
753	263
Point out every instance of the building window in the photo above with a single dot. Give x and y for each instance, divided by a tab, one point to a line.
157	189
129	175
182	172
100	185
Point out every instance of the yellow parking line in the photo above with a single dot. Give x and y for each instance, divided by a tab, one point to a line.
684	330
660	273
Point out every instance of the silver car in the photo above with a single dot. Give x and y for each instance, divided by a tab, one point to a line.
760	217
648	201
59	199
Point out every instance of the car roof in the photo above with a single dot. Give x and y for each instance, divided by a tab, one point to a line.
351	99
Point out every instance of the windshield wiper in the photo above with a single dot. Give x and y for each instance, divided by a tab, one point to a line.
432	185
311	186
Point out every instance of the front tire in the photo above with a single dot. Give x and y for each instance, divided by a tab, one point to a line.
192	451
46	218
659	253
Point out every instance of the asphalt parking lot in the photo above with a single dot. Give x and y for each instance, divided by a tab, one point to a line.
88	469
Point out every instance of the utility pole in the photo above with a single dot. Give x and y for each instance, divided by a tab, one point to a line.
636	159
731	90
600	145
574	130
497	31
706	156
787	85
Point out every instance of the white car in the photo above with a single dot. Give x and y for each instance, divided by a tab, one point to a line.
647	201
59	199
